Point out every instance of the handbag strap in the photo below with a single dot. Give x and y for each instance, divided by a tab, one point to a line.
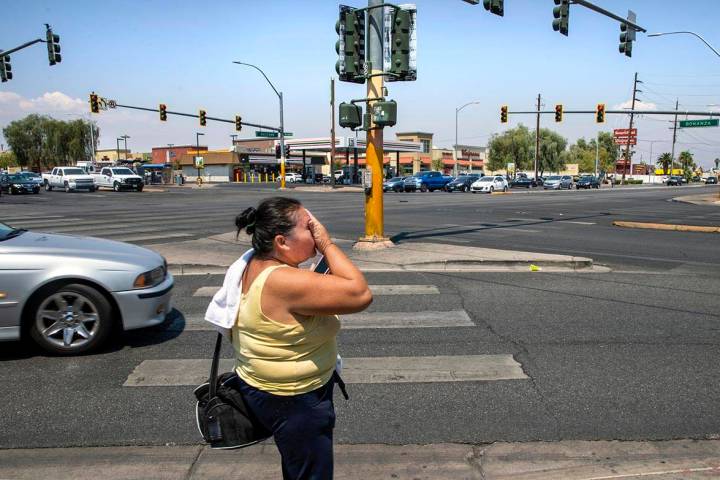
214	367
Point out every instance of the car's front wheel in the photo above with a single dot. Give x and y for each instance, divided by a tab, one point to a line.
423	188
116	186
47	186
492	189
70	319
67	188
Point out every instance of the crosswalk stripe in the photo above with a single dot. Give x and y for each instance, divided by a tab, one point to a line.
376	290
364	320
36	223
30	217
358	370
97	231
142	238
129	220
580	223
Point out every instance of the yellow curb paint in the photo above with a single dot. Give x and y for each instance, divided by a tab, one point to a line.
668	227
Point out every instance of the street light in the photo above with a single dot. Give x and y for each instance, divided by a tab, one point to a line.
197	152
282	125
688	33
125	137
457	110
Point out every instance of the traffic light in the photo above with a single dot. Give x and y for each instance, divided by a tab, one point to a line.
400	45
238	123
562	16
600	113
287	151
350	115
94	104
203	118
53	47
494	6
5	68
277	151
350	45
558	112
627	35
503	114
163	112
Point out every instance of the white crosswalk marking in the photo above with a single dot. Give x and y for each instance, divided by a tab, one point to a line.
376	290
461	368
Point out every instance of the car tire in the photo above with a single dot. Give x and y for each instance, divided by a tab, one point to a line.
473	192
91	189
505	189
48	188
423	188
492	189
140	188
116	186
67	188
95	320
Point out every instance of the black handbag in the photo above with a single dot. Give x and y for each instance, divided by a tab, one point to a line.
223	418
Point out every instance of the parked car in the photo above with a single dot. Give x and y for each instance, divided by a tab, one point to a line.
291	177
462	183
33	177
673	181
523	182
587	181
425	181
558	182
711	181
118	178
16	183
68	178
68	293
394	184
490	184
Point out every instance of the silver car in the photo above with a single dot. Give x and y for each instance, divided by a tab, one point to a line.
68	293
557	182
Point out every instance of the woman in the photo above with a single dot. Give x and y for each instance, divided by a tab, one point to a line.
284	333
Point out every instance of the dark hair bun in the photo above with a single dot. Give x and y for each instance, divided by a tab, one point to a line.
246	220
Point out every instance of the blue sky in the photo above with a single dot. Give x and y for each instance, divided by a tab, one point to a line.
180	53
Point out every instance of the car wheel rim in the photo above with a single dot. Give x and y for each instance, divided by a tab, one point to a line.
67	320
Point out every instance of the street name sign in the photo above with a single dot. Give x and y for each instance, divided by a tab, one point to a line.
260	133
625	132
625	140
709	122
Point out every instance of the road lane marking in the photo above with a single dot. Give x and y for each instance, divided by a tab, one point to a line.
364	320
143	238
580	223
376	290
359	370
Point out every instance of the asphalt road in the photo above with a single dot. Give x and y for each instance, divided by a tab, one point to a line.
631	354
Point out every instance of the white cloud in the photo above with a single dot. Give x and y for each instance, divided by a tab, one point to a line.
52	102
638	106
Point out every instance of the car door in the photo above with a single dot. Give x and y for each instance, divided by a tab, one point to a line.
105	177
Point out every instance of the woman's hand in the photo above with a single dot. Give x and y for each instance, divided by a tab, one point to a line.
319	233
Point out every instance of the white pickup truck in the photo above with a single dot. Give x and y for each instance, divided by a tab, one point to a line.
69	179
118	178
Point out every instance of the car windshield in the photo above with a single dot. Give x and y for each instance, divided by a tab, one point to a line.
122	171
587	177
74	171
16	178
462	178
554	177
30	175
6	231
486	179
395	179
419	174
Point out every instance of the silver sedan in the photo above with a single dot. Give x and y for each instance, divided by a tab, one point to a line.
68	293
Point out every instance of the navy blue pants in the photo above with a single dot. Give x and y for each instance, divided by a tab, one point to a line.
302	426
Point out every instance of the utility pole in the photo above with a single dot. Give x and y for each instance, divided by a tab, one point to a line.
332	132
597	153
374	216
537	138
672	160
632	114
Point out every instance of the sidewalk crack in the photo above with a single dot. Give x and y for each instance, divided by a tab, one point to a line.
191	470
475	459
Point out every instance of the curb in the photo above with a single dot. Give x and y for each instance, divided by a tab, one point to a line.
667	227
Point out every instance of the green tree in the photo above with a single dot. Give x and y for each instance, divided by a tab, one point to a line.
515	145
688	163
552	146
717	163
437	164
41	142
7	159
665	160
583	153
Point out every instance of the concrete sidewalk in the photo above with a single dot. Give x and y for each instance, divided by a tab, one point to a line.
214	254
705	199
566	460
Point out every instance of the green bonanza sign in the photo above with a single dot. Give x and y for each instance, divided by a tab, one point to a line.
711	122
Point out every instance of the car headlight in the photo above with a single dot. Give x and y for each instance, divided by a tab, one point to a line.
17	185
151	278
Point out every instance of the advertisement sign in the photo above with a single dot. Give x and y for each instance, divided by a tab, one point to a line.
199	162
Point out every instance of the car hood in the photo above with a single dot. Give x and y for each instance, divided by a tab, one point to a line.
38	243
29	183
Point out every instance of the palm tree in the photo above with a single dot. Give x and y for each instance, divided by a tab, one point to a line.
717	163
665	160
686	160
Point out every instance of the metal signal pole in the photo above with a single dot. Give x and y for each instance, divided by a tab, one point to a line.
537	138
632	113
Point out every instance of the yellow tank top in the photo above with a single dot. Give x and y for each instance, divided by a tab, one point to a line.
280	358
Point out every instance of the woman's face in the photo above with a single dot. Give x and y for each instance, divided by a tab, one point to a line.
300	241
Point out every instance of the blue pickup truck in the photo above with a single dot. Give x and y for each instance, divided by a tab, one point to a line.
426	181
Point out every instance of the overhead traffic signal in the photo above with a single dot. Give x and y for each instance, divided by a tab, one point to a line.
203	118
627	35
163	112
558	112
350	45
400	46
494	6
562	16
600	113
94	104
238	123
503	114
53	47
5	68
